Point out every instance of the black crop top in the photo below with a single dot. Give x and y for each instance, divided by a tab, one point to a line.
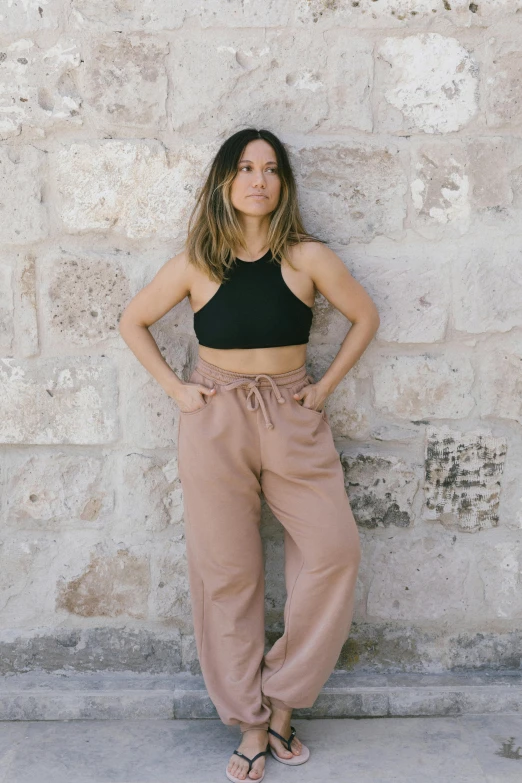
253	308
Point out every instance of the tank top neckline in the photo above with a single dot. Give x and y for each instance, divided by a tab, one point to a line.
256	260
253	308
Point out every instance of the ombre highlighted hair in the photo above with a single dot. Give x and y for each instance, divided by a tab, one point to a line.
214	229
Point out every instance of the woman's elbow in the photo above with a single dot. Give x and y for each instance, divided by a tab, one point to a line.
372	320
127	322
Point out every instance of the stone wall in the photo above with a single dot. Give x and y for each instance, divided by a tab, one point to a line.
403	119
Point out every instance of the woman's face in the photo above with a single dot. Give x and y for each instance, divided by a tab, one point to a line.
256	187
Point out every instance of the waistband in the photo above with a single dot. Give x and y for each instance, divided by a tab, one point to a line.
230	380
226	376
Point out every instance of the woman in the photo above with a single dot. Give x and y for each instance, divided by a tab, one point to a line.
252	420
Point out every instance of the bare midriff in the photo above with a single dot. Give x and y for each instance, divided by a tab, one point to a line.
256	360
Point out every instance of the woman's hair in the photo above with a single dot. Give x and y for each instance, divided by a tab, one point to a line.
214	229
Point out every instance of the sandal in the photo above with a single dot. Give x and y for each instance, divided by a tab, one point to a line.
250	764
300	759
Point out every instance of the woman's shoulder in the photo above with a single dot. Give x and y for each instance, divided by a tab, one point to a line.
304	254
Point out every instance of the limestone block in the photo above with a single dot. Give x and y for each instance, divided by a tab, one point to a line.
411	289
88	649
151	416
487	287
456	185
512	498
26	311
502	86
278	80
25	594
127	15
24	217
6	305
124	82
490	161
113	583
348	410
170	596
499	9
128	187
27	99
463	478
152	15
402	14
23	16
18	323
500	567
501	381
413	387
271	13
381	490
393	432
83	297
62	491
150	495
430	578
350	193
487	650
349	79
440	186
67	399
426	82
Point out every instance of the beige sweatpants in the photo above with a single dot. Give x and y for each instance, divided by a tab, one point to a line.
252	436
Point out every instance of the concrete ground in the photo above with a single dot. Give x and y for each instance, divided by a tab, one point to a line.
465	749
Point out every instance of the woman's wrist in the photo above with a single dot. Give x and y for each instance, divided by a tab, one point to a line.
172	385
325	386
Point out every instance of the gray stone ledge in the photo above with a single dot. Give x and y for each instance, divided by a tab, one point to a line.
127	696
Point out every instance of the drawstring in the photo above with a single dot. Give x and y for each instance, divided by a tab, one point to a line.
257	398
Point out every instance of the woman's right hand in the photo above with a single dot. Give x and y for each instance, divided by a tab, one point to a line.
189	398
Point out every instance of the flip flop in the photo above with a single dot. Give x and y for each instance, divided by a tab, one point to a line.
300	759
250	763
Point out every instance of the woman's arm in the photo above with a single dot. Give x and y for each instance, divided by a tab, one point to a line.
336	284
169	287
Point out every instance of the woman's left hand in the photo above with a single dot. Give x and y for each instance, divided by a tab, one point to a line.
312	396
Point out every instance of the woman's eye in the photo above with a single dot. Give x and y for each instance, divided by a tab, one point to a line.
271	168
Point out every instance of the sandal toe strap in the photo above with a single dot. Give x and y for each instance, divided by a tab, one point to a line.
251	761
288	741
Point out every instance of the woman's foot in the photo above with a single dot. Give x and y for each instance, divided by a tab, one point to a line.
253	741
280	722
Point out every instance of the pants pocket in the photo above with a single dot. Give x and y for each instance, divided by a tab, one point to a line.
302	385
197	377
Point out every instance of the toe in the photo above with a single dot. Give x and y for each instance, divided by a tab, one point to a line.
255	773
237	769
